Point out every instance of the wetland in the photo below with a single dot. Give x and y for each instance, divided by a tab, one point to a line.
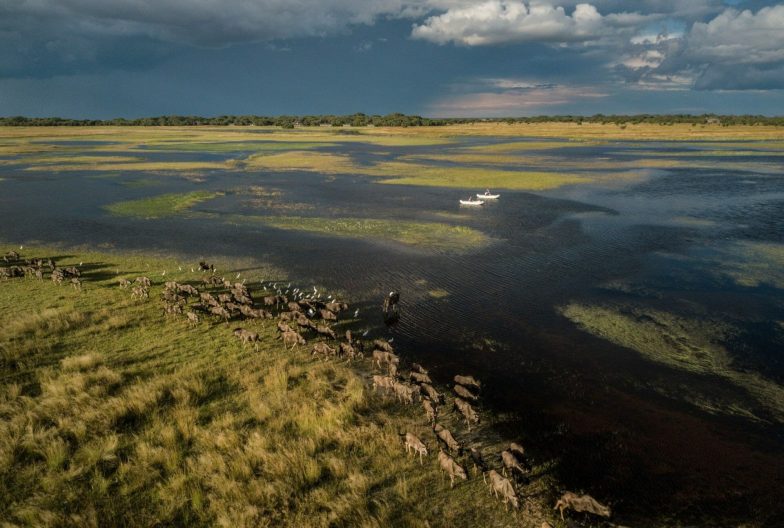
622	302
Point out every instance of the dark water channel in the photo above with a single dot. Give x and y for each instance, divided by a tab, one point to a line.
622	427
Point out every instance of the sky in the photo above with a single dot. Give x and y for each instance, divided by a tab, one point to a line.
101	59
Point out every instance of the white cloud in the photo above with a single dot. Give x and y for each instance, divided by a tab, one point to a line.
504	21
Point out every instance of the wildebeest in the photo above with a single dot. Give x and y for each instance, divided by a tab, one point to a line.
293	306
172	309
380	356
467	411
467	381
419	368
283	327
203	266
324	350
517	449
478	461
11	256
349	337
431	411
384	382
412	442
464	393
224	298
404	393
499	484
390	309
76	283
582	503
193	318
452	468
72	271
382	344
326	331
221	312
57	275
336	307
511	463
144	281
246	336
140	292
304	322
445	436
419	377
349	352
187	289
207	299
327	315
431	392
292	338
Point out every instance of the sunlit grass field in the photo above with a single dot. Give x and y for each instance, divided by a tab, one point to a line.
114	415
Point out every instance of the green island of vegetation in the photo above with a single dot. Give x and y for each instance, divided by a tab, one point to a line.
161	205
116	415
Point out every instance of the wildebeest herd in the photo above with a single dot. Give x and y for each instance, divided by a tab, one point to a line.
299	315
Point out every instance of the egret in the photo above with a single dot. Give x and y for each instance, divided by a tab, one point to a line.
356	313
238	276
365	333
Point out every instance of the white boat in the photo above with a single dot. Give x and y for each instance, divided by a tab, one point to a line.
488	196
471	202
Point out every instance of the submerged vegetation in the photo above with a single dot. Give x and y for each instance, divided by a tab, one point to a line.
113	415
683	343
161	205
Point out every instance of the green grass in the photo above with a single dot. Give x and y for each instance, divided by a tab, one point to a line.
424	235
162	205
683	343
111	415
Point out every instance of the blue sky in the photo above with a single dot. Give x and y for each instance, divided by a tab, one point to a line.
131	58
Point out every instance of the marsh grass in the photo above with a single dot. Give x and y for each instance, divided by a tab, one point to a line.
116	416
161	205
683	343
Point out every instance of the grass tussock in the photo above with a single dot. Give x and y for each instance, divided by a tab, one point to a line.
120	417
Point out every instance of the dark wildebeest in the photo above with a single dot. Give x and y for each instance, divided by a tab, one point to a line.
349	352
391	313
583	503
478	461
499	484
411	442
465	393
446	436
246	336
203	266
452	468
324	350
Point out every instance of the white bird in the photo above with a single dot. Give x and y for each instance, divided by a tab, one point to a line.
191	270
21	247
265	288
365	333
311	312
356	313
289	286
164	273
180	267
391	339
238	276
315	290
330	297
81	263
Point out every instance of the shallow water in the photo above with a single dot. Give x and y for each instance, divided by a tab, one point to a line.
641	434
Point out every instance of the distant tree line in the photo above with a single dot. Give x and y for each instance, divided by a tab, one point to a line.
363	120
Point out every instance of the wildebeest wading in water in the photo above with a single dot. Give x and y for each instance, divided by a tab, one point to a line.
391	312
